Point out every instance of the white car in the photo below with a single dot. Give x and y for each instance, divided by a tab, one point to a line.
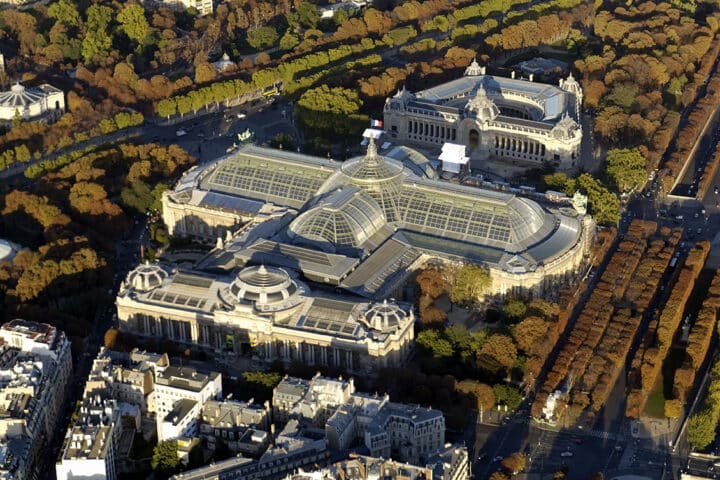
566	454
181	133
242	115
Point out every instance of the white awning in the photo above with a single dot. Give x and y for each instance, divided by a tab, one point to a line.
453	157
373	133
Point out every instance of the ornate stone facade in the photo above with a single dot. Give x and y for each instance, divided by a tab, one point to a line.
496	118
264	313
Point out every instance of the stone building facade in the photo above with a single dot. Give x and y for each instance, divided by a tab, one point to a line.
512	120
264	313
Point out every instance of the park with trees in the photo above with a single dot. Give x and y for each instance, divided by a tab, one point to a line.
642	67
70	220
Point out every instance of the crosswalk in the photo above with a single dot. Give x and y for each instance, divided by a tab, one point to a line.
602	434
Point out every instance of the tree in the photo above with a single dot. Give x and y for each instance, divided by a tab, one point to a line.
507	395
514	309
431	341
308	14
137	196
432	316
167	107
498	476
289	41
262	38
17	119
260	385
134	24
333	112
165	460
673	408
97	40
470	283
701	429
65	12
604	205
112	336
431	283
529	333
205	72
482	394
543	308
500	350
626	168
623	95
283	141
514	464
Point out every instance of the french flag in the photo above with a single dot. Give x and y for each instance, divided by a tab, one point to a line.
376	123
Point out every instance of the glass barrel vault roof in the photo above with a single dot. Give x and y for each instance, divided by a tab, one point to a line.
347	218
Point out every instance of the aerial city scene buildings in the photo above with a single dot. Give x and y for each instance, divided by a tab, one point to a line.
388	239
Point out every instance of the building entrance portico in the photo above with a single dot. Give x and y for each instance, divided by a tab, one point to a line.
473	139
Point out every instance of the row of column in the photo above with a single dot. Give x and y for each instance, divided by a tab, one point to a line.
306	352
173	329
517	145
415	127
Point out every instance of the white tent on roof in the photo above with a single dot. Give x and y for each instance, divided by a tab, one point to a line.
453	157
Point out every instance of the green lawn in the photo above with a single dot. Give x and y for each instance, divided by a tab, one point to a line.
655	406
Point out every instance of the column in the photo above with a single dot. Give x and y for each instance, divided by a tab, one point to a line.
323	355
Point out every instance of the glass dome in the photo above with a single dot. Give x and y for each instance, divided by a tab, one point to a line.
379	177
266	288
384	317
526	218
146	277
348	218
372	167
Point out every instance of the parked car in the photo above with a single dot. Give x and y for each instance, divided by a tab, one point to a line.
566	454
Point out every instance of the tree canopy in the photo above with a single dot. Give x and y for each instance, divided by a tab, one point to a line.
470	283
165	460
626	168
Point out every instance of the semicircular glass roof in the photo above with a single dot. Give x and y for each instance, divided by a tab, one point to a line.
372	167
347	218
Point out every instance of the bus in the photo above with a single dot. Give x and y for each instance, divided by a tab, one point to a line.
272	90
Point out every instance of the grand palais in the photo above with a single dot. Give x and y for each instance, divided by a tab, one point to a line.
509	120
310	253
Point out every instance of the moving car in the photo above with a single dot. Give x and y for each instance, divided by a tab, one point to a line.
181	133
